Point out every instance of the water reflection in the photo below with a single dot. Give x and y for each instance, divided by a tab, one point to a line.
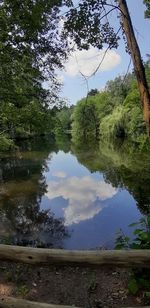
22	187
121	166
85	196
74	198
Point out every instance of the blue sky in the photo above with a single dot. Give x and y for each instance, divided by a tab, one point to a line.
116	61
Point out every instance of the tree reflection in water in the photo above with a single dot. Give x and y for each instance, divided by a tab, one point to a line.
23	184
22	187
122	166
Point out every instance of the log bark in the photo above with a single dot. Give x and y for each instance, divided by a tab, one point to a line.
10	302
137	61
30	255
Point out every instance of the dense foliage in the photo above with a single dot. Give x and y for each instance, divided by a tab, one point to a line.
113	113
63	120
139	278
89	24
31	49
33	46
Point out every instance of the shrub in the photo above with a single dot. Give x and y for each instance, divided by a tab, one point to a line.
114	125
6	143
140	278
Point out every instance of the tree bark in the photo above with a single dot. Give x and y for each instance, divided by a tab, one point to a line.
10	302
29	255
137	61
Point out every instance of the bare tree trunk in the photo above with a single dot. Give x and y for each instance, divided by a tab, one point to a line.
137	61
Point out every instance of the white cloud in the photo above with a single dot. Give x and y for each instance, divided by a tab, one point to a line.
87	62
81	194
59	174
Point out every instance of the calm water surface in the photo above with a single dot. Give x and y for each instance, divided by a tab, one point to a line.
61	195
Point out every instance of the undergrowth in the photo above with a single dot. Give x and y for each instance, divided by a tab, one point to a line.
140	278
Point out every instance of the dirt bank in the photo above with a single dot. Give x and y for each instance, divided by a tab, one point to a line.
82	287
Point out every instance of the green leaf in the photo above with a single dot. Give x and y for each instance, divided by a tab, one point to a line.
148	220
126	239
133	286
144	236
147	294
133	224
137	231
142	220
144	282
119	246
135	246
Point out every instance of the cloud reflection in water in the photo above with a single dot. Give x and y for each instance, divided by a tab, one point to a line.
85	197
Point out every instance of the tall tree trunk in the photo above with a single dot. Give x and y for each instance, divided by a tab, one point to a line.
137	61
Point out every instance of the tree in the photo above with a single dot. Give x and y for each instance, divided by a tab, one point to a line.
92	92
31	50
147	12
31	28
63	120
137	61
119	88
85	119
88	25
114	113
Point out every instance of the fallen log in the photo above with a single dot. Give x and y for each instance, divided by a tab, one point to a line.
126	258
10	302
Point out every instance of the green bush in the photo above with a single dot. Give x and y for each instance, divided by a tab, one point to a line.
6	143
21	133
140	278
85	117
114	125
115	113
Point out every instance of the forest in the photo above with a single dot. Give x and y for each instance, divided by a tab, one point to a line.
113	114
74	175
32	49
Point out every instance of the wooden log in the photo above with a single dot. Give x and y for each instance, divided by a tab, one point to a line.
30	255
10	302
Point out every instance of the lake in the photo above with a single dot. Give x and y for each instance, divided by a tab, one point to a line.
58	194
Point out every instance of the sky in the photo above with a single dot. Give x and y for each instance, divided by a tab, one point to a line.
116	61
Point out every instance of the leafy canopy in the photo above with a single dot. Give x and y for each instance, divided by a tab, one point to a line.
87	24
147	12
